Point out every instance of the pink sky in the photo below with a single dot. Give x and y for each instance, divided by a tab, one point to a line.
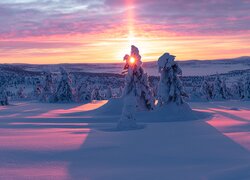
89	31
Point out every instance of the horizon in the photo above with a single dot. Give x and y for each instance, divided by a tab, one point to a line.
122	62
102	31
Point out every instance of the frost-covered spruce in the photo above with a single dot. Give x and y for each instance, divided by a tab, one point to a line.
47	90
137	93
247	87
20	93
206	90
120	92
83	92
237	89
170	88
37	90
136	80
3	97
108	93
95	94
218	89
64	91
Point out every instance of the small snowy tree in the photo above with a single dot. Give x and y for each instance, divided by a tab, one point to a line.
83	92
170	88
247	87
108	93
37	90
47	90
20	93
237	89
218	89
95	94
3	97
206	90
120	92
64	91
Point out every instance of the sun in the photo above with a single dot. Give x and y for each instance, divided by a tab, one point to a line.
132	60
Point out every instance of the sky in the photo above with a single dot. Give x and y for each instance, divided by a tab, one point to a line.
91	31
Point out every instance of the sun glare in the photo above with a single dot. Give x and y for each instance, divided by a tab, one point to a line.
132	60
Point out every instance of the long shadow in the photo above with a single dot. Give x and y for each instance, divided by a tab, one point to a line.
98	160
90	156
232	116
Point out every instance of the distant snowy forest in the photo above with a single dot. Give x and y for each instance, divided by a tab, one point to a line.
66	85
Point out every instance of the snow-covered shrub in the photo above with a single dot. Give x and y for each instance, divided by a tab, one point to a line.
64	92
170	88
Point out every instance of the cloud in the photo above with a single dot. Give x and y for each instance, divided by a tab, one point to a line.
49	17
85	27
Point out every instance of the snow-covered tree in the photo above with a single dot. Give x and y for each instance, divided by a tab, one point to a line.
95	94
137	93
133	63
3	97
20	93
218	89
47	90
120	92
108	93
247	87
37	90
64	91
83	92
206	90
136	80
237	89
170	88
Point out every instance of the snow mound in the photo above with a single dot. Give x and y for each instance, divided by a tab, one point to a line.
112	107
168	113
171	112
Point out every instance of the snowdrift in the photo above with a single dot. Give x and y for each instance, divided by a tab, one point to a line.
171	112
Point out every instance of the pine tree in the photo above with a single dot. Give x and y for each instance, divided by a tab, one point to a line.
133	63
64	91
170	88
47	90
206	90
218	89
83	92
20	93
108	93
37	90
237	89
247	87
3	97
95	94
120	92
137	80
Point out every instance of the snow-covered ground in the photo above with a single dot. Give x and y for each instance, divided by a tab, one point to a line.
76	141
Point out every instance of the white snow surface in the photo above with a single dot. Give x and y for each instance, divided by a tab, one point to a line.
79	141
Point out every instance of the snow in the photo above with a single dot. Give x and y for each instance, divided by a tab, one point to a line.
76	141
